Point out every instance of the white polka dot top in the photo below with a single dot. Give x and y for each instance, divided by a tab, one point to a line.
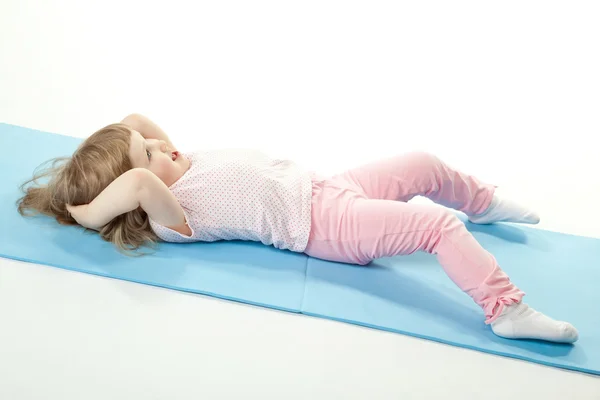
243	195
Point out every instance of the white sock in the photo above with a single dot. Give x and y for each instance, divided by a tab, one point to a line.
519	321
505	210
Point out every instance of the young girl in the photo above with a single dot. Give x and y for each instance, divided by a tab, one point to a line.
132	185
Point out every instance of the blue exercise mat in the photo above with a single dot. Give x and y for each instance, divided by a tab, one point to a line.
410	295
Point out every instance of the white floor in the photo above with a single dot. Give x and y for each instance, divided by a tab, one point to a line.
506	91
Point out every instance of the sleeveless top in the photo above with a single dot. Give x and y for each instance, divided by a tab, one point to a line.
243	195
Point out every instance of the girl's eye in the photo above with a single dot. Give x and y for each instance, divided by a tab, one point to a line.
149	155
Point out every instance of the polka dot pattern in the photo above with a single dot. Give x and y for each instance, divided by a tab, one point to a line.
243	195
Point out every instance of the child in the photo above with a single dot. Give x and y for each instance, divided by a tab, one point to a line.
132	185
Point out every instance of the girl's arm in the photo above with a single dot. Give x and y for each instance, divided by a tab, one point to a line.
147	128
135	188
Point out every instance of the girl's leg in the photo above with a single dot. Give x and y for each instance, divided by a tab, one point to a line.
347	227
421	174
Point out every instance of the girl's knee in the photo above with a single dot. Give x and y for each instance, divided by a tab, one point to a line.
423	159
447	219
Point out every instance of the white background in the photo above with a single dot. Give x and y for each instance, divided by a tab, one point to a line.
508	91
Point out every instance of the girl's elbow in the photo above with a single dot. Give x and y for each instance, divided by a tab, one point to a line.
133	120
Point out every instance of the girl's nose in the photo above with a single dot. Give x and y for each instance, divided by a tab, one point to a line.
163	146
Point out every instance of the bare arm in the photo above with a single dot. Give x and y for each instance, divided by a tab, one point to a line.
135	188
147	128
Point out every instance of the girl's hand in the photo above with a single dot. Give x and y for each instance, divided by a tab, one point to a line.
81	214
147	128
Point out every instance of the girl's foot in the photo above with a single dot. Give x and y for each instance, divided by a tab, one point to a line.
519	321
505	210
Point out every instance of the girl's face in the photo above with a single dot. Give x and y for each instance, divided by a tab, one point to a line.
154	155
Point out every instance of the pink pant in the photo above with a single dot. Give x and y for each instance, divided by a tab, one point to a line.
363	214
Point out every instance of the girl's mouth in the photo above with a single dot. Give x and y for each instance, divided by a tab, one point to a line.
174	155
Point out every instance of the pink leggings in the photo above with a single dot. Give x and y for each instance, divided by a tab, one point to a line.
363	214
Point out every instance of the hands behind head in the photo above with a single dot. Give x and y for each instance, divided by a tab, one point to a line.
82	216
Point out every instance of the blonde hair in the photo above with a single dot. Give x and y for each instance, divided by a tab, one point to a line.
78	179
